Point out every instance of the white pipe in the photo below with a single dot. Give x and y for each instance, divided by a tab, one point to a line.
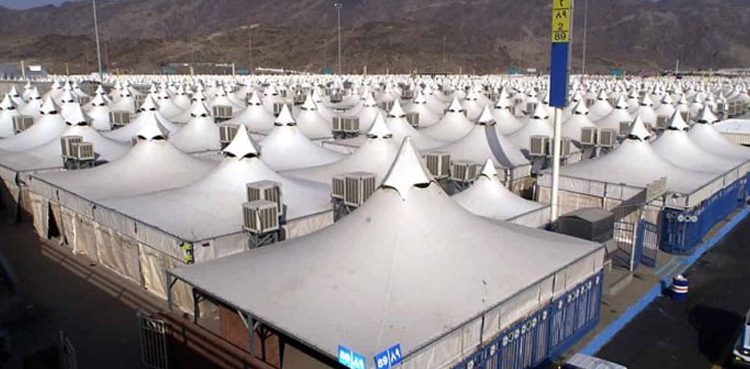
98	49
556	146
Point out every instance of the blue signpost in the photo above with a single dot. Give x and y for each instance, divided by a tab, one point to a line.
561	35
351	359
388	358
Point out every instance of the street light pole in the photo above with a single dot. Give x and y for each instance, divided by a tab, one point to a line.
98	48
585	35
338	14
444	53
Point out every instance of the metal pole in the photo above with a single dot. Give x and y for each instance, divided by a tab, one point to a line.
338	12
443	52
23	69
250	49
585	35
556	144
98	48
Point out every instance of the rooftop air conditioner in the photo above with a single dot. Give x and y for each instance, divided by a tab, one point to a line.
607	138
82	151
463	171
22	123
439	164
358	187
662	122
530	107
338	124
227	133
266	190
338	185
83	100
278	106
407	94
386	105
261	216
222	111
351	124
624	128
564	147
588	136
336	97
590	102
119	118
413	119
299	99
283	93
65	145
732	108
721	108
139	99
539	146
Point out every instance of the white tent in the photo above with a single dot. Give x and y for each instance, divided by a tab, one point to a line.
374	156
618	115
287	148
427	117
452	126
401	128
148	112
311	123
99	114
707	138
378	277
48	127
199	134
675	146
489	198
507	123
536	125
31	109
601	106
8	110
572	127
255	117
211	207
483	142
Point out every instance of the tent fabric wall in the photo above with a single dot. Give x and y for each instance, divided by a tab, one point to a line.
40	213
68	227
118	253
296	228
570	201
85	238
537	218
154	266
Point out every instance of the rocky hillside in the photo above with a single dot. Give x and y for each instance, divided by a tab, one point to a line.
394	35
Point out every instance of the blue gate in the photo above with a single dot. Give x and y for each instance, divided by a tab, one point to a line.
545	334
648	242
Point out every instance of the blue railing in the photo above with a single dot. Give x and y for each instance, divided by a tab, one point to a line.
683	230
544	335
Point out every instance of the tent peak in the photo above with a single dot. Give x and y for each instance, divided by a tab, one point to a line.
406	171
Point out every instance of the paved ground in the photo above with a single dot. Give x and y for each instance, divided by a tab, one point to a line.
701	332
95	308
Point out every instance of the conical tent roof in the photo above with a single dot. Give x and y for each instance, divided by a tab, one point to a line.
126	133
151	165
507	123
573	127
200	133
374	156
427	116
287	148
537	125
488	197
452	126
707	138
45	129
618	115
255	117
410	233
401	128
484	142
311	123
212	206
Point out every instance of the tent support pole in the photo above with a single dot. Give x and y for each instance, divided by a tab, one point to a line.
556	167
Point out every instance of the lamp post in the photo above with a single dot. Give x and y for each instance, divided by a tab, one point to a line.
250	47
585	36
338	15
98	48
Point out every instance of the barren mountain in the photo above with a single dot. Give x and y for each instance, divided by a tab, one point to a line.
394	35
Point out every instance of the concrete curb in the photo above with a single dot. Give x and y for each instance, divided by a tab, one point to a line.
616	326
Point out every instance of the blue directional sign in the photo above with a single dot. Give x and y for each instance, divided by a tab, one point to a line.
388	358
351	359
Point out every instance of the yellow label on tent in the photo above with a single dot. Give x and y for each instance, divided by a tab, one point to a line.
561	17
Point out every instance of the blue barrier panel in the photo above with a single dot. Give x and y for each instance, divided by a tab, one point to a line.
683	230
545	334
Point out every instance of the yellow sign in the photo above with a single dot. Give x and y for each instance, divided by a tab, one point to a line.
561	17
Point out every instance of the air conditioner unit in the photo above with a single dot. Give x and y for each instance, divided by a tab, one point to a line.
407	94
65	145
463	171
358	187
266	190
607	138
283	93
351	124
299	99
439	164
338	124
82	151
119	118
278	106
83	100
227	133
336	97
139	99
539	145
721	108
222	111
22	123
261	216
338	186
662	122
588	136
530	107
564	147
590	102
624	128
612	101
413	119
732	110
387	105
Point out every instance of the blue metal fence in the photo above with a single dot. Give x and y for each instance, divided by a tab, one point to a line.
683	230
544	335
